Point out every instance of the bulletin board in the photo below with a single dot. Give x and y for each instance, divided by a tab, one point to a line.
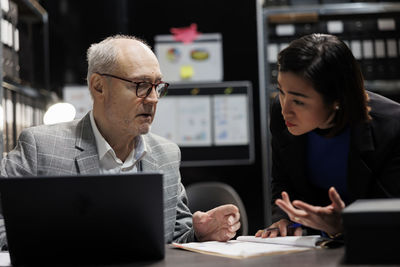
198	61
211	122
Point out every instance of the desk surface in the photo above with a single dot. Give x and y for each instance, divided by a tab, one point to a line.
317	257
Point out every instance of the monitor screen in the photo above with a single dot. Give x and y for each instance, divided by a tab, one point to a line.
211	122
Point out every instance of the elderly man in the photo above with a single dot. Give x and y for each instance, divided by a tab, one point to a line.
125	82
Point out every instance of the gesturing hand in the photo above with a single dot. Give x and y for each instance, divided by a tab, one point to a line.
219	224
327	219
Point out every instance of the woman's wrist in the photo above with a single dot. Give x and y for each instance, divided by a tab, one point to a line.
336	235
336	231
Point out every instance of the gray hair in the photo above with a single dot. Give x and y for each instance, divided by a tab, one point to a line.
102	57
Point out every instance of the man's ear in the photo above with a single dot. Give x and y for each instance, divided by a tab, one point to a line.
96	84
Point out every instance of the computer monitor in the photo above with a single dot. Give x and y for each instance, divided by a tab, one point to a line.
91	219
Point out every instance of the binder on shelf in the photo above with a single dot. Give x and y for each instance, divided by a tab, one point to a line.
380	51
368	49
386	24
303	2
276	2
9	120
334	1
12	14
273	73
355	46
391	48
272	53
335	27
368	69
19	109
285	29
359	27
306	28
4	131
322	27
368	59
393	69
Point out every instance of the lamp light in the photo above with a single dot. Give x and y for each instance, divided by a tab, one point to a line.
59	112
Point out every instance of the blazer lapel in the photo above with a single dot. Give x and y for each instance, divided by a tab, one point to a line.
149	164
359	174
87	159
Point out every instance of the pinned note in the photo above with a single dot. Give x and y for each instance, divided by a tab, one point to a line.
186	34
186	72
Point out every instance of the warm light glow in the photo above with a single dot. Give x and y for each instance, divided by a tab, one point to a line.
60	112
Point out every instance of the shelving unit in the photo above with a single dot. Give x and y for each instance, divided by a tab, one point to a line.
24	72
371	30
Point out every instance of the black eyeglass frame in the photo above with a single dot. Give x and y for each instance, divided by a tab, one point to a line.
153	85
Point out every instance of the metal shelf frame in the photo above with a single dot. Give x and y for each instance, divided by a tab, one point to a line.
335	9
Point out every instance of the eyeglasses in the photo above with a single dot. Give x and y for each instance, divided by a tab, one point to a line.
143	89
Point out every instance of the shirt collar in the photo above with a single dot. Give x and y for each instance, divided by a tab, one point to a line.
103	147
140	150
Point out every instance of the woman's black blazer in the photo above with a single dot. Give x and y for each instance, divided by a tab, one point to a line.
374	158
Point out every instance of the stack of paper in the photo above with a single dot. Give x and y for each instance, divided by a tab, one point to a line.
5	259
250	246
310	241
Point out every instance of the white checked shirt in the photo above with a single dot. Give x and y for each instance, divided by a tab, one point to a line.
108	160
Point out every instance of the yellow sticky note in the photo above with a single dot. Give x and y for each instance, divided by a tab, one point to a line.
186	72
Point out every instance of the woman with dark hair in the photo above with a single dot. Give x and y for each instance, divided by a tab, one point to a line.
332	141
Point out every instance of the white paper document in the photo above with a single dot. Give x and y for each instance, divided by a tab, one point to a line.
194	121
5	259
230	115
185	120
310	241
250	246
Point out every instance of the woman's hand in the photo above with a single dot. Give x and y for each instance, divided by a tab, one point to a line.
327	219
281	229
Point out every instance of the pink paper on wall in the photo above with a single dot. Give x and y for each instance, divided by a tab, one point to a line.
185	34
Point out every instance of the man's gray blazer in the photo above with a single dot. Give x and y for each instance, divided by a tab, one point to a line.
70	149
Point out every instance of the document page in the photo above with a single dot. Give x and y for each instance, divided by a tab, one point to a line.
311	241
238	249
5	259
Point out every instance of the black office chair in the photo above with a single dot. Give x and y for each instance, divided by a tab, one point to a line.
208	195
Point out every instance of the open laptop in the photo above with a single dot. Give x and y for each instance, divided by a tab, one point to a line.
83	219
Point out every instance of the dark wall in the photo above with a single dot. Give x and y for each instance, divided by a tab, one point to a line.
74	25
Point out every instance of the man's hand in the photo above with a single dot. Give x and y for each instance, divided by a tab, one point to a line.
327	219
219	224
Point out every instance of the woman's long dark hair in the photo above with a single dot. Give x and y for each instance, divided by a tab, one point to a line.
329	65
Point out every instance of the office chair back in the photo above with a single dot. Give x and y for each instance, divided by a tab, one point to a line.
204	196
